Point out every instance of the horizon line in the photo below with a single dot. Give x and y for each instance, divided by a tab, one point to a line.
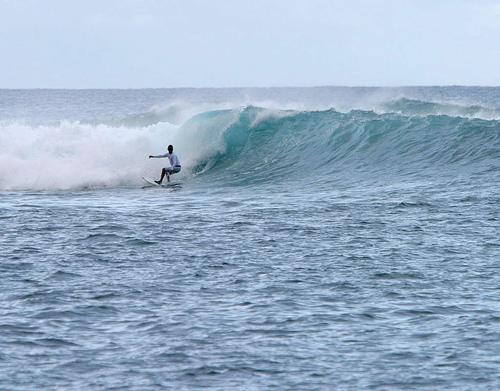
256	87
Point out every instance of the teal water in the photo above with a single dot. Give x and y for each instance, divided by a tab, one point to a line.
326	238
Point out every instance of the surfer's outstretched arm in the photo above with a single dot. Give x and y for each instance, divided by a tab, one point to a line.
158	156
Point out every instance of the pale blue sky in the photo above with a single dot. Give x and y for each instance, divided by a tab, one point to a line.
227	43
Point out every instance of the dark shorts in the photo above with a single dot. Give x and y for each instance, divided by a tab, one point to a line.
173	170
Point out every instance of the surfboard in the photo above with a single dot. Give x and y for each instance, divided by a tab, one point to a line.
164	184
151	181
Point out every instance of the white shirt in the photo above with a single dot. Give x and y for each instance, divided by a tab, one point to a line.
174	160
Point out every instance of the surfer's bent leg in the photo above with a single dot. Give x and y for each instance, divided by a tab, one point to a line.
163	171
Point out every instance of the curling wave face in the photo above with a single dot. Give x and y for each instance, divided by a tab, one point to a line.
262	146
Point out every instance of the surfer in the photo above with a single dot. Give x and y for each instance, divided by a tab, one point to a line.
175	164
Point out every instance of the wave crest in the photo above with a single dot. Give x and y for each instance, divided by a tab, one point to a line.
412	107
329	145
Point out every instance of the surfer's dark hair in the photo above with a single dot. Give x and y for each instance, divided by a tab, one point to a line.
170	146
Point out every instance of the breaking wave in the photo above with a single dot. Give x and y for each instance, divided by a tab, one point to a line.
253	145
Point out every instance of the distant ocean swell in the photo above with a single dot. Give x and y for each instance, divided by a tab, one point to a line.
253	145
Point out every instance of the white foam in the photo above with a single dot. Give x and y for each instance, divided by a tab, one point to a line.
74	155
266	114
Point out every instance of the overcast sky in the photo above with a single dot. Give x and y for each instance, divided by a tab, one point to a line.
226	43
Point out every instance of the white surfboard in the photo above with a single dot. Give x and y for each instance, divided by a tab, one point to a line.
151	181
165	185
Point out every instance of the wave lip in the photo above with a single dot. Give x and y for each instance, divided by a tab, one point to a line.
412	107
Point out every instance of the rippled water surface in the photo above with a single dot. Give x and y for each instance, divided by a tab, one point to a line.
244	289
302	248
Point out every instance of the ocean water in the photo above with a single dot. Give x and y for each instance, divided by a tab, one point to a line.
315	239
